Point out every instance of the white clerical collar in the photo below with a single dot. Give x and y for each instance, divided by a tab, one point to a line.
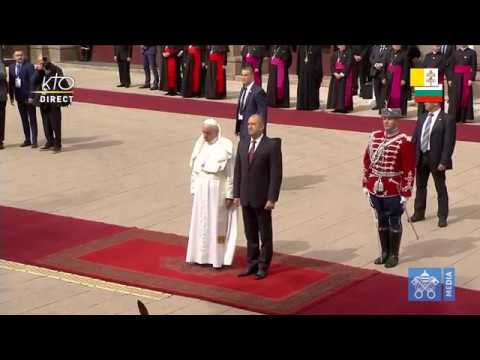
257	140
436	112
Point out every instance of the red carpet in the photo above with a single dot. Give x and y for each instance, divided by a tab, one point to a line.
155	261
315	119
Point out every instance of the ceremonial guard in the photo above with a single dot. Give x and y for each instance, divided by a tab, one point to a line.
388	174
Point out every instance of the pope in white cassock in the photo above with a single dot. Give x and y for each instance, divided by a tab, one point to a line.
213	227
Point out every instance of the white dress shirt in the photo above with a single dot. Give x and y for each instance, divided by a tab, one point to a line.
257	142
247	91
432	123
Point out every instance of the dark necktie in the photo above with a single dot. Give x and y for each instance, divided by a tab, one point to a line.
426	133
242	98
252	151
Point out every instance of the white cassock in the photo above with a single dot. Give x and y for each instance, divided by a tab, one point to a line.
213	227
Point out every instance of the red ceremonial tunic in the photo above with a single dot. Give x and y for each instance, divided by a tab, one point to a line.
389	165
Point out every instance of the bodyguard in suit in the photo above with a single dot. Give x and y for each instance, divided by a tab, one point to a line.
123	56
256	186
378	62
252	100
19	82
434	138
3	101
149	53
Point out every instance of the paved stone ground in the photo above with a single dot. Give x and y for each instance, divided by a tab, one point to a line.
130	167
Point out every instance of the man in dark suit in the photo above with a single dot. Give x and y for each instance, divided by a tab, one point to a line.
252	100
3	101
123	56
378	62
20	78
149	53
51	112
434	139
256	186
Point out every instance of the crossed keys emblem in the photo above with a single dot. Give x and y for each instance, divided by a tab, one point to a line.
431	78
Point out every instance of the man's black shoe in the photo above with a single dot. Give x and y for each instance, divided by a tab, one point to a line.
144	86
261	274
416	217
46	146
375	108
248	271
154	87
442	222
26	143
121	85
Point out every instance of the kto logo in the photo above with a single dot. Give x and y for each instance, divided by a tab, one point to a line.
431	284
57	90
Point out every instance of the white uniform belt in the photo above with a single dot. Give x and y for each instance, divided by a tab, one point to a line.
386	174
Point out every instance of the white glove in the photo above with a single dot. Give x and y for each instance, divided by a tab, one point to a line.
365	191
403	200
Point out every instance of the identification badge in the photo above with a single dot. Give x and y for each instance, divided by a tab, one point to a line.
18	82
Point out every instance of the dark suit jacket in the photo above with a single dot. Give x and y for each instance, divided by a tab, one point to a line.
378	57
256	103
122	51
3	83
149	49
26	73
442	140
260	181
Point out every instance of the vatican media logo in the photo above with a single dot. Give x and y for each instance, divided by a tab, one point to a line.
57	90
431	284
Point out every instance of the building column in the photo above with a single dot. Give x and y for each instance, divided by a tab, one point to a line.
234	61
56	53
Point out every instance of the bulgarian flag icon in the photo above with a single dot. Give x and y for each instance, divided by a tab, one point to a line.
429	94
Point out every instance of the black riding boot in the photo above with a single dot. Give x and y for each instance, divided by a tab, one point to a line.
395	238
383	234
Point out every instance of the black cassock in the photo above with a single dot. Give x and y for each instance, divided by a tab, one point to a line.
216	76
310	75
398	68
361	69
340	93
259	52
176	50
278	94
193	73
463	67
434	61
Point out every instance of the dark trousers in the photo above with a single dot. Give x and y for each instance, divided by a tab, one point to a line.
124	72
150	64
389	212
3	104
28	114
423	172
378	91
52	125
258	226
